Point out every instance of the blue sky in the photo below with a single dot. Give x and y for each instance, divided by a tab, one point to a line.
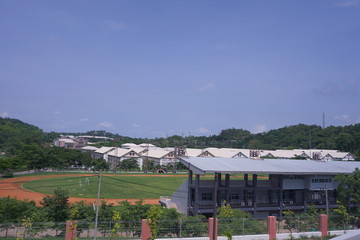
165	67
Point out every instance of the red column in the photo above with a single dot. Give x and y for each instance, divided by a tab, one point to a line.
324	225
145	230
70	230
212	230
271	227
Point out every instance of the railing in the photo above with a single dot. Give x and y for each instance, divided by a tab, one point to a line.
197	226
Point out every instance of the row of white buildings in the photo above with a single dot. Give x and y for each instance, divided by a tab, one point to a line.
76	142
165	156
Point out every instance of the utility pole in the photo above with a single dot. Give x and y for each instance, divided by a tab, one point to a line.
215	204
327	200
97	206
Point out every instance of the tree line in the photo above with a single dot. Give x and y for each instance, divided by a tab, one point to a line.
25	147
301	136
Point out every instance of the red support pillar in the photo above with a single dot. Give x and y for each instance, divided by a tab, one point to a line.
70	230
213	233
324	225
145	230
271	227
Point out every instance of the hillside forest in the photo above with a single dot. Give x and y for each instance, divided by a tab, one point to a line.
26	147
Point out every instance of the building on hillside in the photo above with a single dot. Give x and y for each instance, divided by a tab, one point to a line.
160	156
102	153
284	154
70	142
269	186
194	152
88	137
129	145
90	149
117	155
339	156
224	152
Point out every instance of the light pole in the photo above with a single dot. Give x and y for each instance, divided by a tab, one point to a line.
97	206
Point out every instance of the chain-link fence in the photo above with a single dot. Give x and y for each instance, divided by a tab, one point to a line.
33	230
241	226
298	223
84	229
344	222
189	227
185	227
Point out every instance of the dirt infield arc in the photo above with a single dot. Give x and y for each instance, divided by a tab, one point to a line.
13	187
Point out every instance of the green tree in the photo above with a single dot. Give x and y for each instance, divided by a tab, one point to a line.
339	217
153	216
168	222
194	226
56	207
14	211
348	191
100	165
83	214
245	220
132	214
128	165
105	215
345	142
116	227
290	220
226	218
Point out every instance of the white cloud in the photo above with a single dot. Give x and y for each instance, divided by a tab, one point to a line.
56	112
4	114
202	131
83	120
347	3
134	125
260	128
343	118
105	124
206	87
113	25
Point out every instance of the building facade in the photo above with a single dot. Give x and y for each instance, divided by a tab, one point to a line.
260	187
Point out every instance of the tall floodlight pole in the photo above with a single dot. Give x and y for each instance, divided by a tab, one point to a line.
97	206
215	205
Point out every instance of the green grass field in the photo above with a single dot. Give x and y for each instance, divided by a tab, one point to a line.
118	186
112	186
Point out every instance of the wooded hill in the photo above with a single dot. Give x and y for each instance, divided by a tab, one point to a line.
301	136
24	146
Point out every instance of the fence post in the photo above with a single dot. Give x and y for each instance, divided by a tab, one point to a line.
213	233
271	227
70	230
324	225
145	230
